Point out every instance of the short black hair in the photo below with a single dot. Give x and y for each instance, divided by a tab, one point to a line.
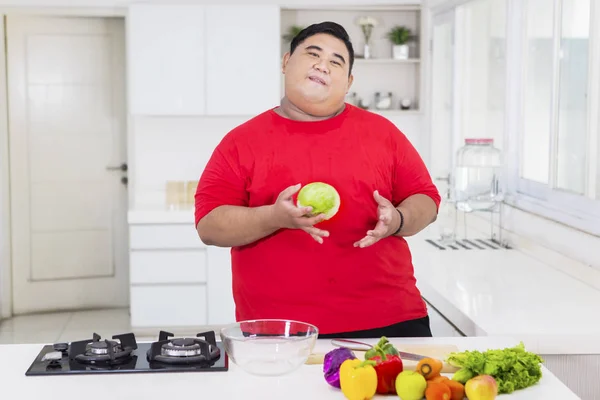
330	28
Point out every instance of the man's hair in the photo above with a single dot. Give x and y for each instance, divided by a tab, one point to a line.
330	28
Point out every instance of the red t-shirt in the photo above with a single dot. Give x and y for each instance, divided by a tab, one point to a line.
288	275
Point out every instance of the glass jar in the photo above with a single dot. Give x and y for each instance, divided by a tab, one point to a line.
477	176
447	219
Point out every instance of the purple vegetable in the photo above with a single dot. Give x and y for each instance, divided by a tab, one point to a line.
332	363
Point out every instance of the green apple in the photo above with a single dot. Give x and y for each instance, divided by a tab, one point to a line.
410	385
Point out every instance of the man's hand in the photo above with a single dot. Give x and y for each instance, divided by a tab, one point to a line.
388	221
287	215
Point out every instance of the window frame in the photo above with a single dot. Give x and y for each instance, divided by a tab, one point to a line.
578	211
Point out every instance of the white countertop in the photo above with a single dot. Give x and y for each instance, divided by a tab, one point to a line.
160	216
305	383
507	293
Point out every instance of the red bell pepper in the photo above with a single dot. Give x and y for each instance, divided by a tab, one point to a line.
387	367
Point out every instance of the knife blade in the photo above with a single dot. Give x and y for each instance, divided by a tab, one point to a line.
411	356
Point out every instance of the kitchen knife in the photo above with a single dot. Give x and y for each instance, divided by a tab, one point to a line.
360	346
409	365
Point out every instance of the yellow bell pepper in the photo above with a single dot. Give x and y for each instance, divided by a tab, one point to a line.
358	379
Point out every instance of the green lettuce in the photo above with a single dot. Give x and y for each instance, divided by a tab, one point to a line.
513	368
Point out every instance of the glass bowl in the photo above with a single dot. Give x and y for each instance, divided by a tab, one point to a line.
269	347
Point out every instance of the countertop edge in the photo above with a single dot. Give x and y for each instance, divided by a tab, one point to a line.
141	217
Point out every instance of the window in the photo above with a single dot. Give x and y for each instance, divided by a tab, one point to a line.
557	136
534	164
572	107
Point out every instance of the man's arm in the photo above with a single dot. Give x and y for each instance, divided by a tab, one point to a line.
230	226
419	211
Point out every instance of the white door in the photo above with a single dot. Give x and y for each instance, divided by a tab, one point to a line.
442	140
67	139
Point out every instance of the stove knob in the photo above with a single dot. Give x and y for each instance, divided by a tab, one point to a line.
61	346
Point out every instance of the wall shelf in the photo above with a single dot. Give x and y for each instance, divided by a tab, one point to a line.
397	113
385	61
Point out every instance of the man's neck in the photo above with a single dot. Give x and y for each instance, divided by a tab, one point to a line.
288	110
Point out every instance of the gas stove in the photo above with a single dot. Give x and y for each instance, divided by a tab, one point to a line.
123	354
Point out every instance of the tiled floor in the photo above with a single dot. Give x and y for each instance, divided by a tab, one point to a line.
69	326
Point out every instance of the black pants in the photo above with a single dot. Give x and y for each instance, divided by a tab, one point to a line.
413	328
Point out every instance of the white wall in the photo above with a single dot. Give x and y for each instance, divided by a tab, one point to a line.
171	149
5	258
178	148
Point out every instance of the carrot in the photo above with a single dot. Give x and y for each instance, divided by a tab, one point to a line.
437	391
457	389
439	378
429	367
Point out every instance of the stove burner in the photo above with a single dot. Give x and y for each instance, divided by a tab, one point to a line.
181	348
103	352
184	350
102	347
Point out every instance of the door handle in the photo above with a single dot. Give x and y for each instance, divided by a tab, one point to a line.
443	178
122	167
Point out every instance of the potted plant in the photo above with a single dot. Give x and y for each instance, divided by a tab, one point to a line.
292	32
367	24
400	36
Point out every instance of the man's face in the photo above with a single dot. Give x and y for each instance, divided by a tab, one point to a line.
316	74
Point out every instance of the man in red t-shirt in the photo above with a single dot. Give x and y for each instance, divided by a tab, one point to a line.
351	275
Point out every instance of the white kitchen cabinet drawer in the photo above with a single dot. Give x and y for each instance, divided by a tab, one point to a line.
226	73
167	266
164	236
166	58
221	307
165	306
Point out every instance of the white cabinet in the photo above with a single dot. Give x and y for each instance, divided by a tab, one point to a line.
203	60
221	308
243	60
175	280
166	59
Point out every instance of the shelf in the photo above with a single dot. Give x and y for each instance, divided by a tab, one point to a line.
395	113
385	61
410	6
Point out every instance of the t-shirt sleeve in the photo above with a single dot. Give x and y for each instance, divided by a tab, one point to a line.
221	182
410	173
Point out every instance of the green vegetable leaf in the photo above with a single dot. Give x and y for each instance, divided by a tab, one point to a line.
463	375
513	368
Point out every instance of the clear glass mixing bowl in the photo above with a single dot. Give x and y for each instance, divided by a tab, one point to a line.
269	347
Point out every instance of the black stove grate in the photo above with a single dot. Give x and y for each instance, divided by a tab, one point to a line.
208	349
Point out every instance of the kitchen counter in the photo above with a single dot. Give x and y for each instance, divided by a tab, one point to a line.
508	293
160	216
305	383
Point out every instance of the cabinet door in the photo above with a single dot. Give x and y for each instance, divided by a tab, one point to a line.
243	60
165	49
221	307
